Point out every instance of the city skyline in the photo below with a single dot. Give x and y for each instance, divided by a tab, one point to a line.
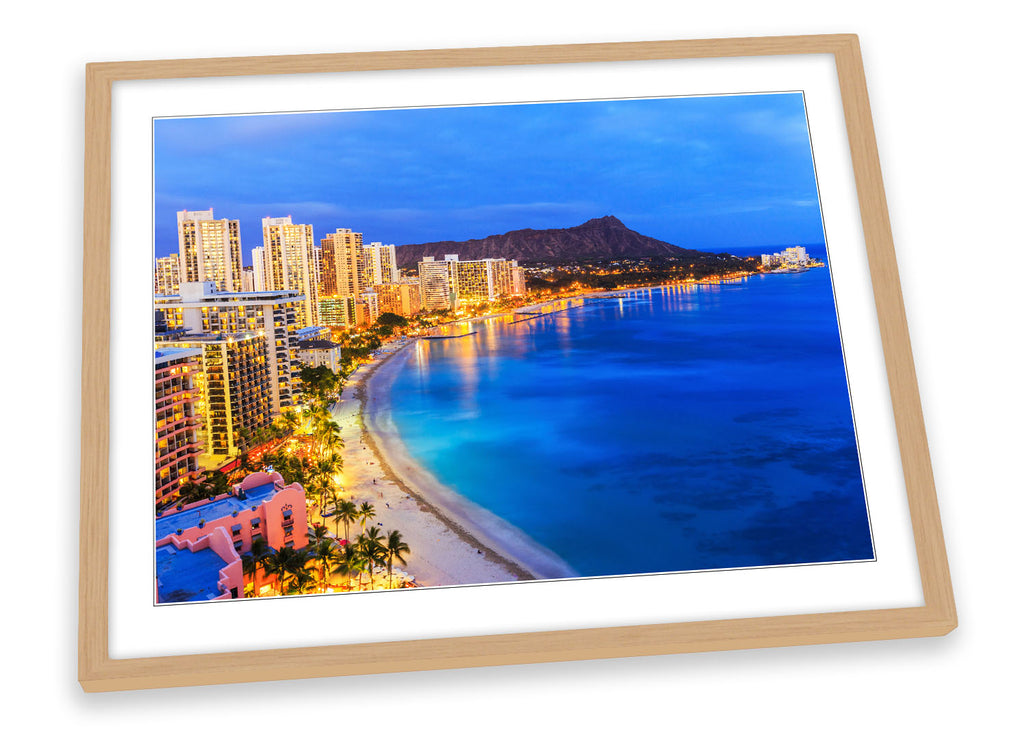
705	172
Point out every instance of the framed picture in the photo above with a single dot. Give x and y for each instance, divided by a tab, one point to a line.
493	356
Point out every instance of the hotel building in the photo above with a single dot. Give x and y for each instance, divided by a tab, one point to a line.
449	283
350	311
379	265
400	298
793	256
518	280
337	312
320	353
258	269
177	420
341	260
484	280
438	282
289	262
209	250
271	315
235	388
261	507
167	275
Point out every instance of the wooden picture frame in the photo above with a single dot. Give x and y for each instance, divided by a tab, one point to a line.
100	672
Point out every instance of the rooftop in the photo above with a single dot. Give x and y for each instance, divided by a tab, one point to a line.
170	523
183	575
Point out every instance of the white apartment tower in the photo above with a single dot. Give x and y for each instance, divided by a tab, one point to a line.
289	262
209	250
438	282
379	265
167	276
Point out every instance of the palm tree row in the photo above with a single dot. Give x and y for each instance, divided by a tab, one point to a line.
329	556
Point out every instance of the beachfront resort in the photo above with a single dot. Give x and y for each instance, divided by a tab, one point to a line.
267	481
251	494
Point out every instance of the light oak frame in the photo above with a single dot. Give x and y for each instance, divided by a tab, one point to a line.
98	672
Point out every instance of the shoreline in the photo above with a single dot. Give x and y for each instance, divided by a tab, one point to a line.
452	540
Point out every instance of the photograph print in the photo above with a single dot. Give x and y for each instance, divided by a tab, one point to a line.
475	345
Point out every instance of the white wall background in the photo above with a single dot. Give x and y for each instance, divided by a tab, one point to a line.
944	88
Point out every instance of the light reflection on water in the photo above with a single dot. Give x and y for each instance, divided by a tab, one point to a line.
680	428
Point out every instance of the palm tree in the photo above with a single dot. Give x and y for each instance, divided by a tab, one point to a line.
300	582
373	550
325	552
290	420
394	548
284	563
365	514
347	512
253	561
350	561
324	471
211	484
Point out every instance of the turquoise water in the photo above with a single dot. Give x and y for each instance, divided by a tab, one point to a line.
672	429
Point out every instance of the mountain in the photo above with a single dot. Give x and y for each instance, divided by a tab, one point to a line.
597	239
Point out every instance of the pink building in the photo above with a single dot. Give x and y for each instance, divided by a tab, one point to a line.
205	570
260	507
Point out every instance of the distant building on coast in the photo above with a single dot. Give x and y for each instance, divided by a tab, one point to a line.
790	257
349	311
177	418
261	507
289	263
209	250
400	298
438	281
450	283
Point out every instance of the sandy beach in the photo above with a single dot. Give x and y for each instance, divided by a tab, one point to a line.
452	540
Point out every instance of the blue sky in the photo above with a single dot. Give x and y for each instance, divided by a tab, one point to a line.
711	173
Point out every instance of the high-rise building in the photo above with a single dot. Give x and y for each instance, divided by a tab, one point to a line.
438	280
338	312
518	280
209	250
483	280
167	275
341	260
235	388
271	315
367	308
449	283
258	270
177	419
289	262
400	298
379	265
248	279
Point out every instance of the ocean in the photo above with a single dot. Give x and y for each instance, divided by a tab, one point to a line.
670	429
